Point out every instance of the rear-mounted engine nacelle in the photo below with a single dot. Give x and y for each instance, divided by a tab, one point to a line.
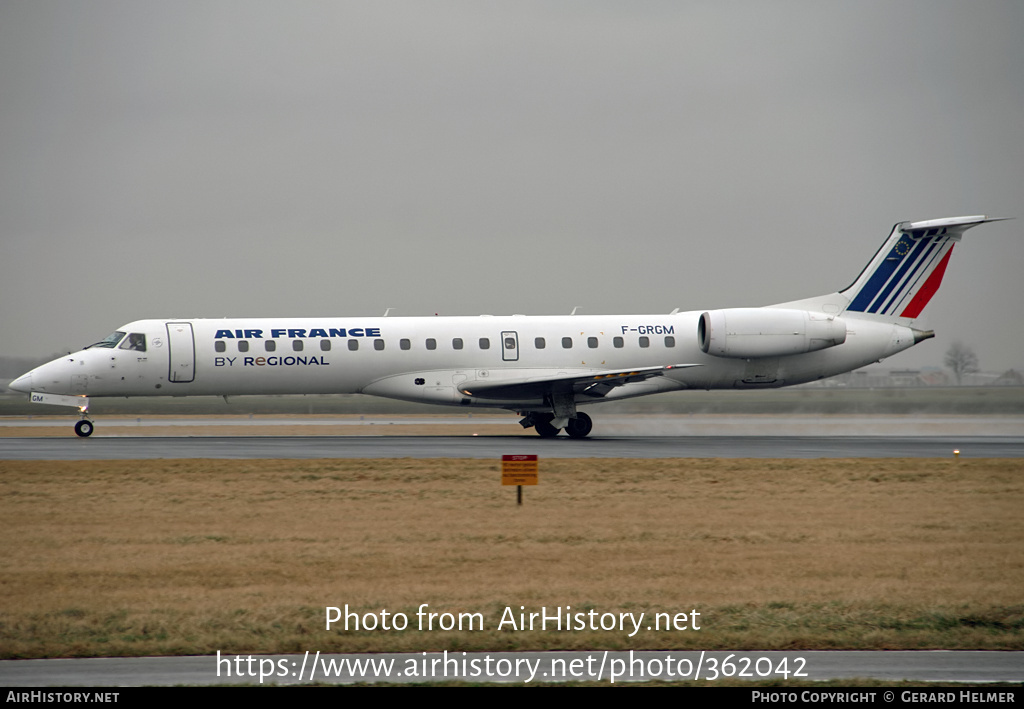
767	332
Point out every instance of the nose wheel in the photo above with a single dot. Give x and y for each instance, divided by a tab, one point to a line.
84	428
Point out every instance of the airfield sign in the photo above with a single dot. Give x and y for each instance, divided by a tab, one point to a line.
518	470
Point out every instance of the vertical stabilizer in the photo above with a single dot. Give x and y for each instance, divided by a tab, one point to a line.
907	271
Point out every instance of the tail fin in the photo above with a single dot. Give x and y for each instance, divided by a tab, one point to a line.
907	271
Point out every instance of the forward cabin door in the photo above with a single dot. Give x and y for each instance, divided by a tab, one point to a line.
510	346
182	352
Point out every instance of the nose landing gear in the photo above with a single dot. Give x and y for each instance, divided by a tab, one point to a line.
84	427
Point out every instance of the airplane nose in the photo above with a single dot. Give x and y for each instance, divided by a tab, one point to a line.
22	384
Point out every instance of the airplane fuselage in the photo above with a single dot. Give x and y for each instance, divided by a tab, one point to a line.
433	360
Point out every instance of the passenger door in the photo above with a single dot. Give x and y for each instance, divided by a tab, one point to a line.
181	347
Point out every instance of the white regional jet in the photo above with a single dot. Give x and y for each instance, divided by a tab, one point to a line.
543	367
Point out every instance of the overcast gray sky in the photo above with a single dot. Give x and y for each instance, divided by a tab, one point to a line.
208	159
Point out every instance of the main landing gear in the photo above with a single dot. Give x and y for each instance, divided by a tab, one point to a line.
544	429
578	427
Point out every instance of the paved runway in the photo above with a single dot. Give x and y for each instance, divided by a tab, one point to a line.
604	426
621	425
930	666
101	448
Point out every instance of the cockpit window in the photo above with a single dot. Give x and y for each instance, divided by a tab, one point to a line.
135	341
109	342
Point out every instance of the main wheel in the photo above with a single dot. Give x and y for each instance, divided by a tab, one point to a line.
544	427
546	430
580	426
83	428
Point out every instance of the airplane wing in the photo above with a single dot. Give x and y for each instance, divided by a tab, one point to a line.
595	384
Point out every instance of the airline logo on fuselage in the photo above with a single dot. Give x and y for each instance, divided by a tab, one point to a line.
289	361
299	332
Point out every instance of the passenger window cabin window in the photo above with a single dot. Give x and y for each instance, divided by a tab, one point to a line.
135	342
618	342
353	345
510	343
220	346
670	341
485	343
297	345
431	343
405	344
270	345
592	343
378	345
567	343
243	345
645	341
539	343
325	345
457	343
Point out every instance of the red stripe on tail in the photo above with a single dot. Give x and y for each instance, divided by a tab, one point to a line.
922	297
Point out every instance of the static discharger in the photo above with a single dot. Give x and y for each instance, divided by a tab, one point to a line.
519	470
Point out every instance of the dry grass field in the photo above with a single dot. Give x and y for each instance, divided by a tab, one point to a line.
193	556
